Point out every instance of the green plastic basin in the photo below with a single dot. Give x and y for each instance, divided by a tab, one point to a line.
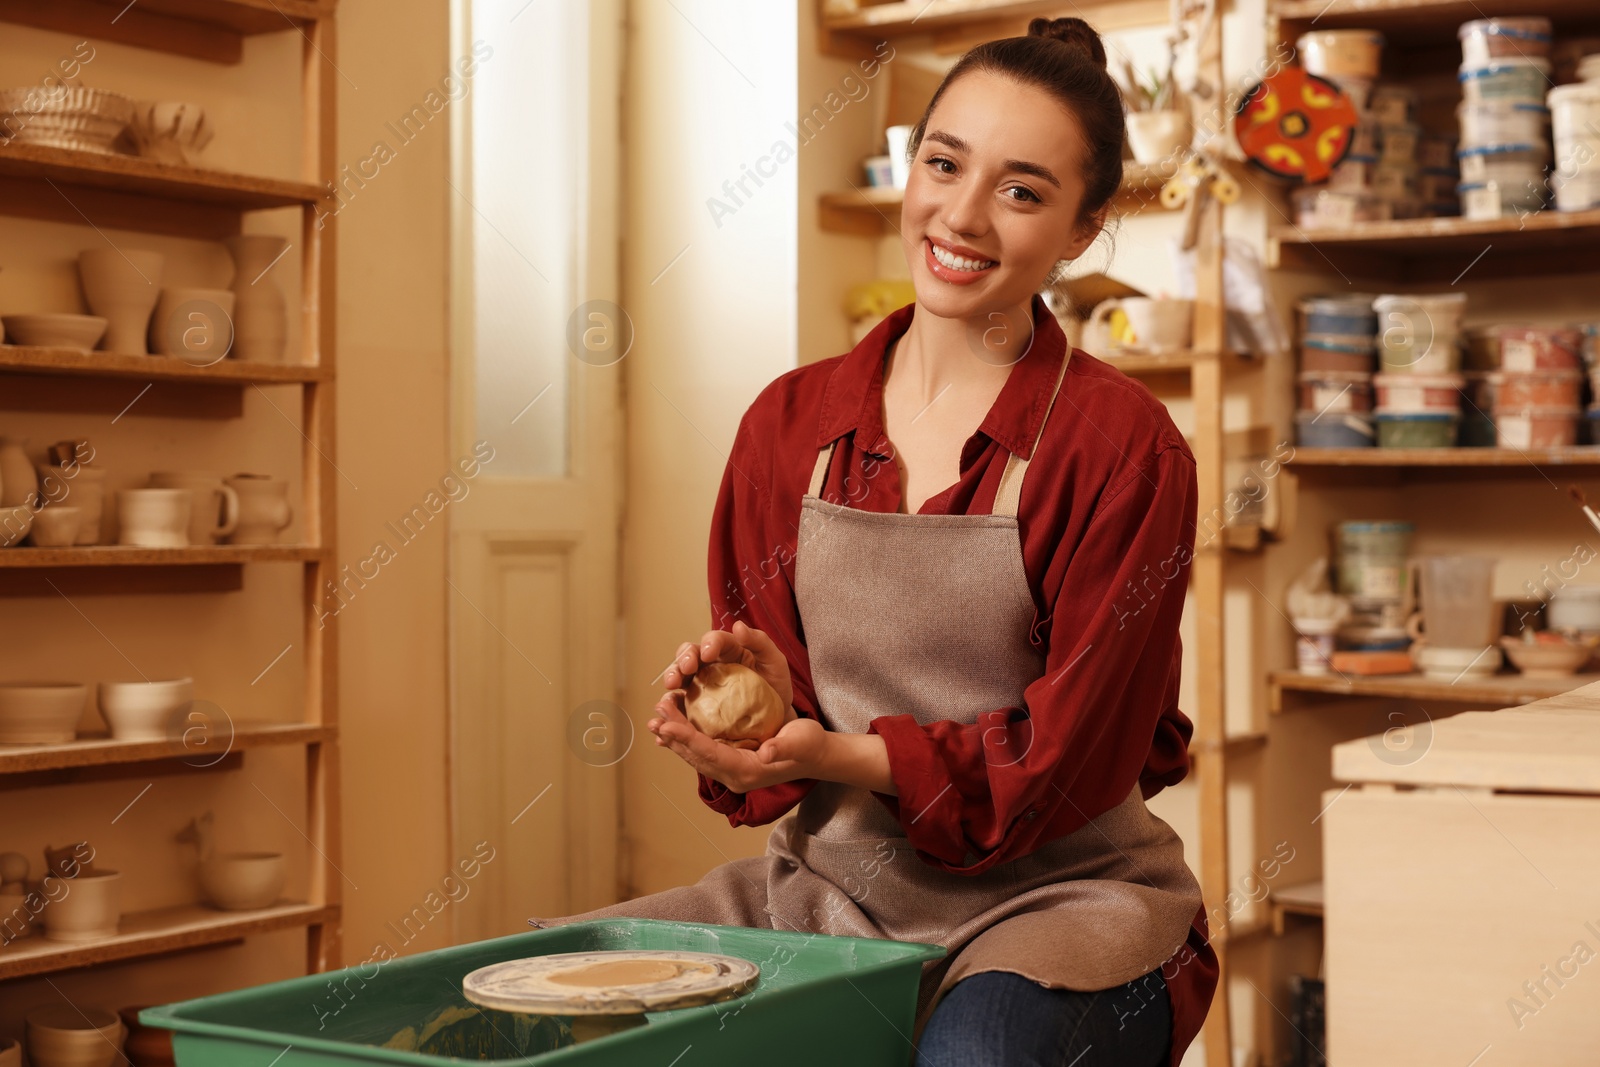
820	999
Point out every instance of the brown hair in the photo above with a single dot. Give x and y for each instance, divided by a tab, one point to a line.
1066	58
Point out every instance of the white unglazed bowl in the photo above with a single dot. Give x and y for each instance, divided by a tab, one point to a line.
40	713
144	711
63	1035
88	910
242	881
81	332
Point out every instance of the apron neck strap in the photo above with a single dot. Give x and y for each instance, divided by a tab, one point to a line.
1010	491
1009	494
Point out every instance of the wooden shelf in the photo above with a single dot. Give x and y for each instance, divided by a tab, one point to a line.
133	193
1445	249
1305	900
1504	459
25	359
855	34
202	29
1494	692
873	211
103	751
157	932
131	556
1407	21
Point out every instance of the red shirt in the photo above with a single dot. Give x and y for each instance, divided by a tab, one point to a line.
1107	521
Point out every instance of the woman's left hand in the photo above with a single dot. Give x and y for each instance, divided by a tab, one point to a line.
796	751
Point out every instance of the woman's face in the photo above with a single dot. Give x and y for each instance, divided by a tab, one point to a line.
992	201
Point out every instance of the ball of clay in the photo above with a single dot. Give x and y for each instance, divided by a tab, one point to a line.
733	704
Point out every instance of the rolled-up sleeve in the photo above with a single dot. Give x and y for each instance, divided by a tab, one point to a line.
1101	719
750	564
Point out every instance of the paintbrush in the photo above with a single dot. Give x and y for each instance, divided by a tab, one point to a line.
1577	494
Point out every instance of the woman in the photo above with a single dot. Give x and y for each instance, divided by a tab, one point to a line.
981	666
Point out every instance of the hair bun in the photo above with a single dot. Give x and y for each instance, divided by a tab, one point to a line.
1075	33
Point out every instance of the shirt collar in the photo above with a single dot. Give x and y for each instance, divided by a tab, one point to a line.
853	399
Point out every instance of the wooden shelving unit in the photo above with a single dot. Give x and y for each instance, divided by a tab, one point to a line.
1581	456
1304	900
952	25
1495	691
122	192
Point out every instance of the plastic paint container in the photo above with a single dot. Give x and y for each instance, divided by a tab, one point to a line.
1427	430
1314	644
1531	348
1363	341
1333	430
1420	314
1508	164
1502	122
1335	392
1345	321
1341	53
1397	143
1572	108
1477	430
1487	40
1537	389
1513	78
1329	209
1370	558
1394	105
1412	393
1438	356
1354	173
1483	201
1580	192
1536	427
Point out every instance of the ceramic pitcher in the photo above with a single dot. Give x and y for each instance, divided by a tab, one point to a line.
264	510
215	512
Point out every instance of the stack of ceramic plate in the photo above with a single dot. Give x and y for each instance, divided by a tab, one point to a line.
65	117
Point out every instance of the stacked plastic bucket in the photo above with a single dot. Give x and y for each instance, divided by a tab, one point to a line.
1338	350
1418	387
1575	120
1505	143
1530	380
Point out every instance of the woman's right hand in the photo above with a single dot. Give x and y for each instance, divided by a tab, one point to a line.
742	644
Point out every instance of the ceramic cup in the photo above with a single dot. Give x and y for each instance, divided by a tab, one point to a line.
196	325
77	486
55	526
264	510
1156	325
154	518
88	909
215	511
122	286
65	1035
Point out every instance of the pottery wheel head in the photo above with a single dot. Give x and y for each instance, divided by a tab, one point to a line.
616	982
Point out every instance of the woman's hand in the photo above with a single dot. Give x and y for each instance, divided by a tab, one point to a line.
744	645
797	751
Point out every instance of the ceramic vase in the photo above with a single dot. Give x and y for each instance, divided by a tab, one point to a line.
121	286
264	509
260	315
215	511
196	325
19	483
154	518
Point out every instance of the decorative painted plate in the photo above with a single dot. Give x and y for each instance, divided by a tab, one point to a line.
1295	125
615	982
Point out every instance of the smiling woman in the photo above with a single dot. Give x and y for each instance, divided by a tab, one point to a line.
975	713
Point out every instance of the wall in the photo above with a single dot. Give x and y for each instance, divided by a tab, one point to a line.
391	413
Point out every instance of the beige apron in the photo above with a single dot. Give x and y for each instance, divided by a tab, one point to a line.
896	609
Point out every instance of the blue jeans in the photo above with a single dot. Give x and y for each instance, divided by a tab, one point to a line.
999	1018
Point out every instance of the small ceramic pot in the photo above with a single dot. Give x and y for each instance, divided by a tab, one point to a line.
264	510
81	487
146	1046
40	713
55	527
242	881
1156	136
154	518
122	286
65	1035
215	509
85	908
196	325
145	711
